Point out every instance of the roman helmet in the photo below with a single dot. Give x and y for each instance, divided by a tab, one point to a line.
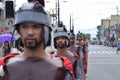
42	2
71	35
61	32
34	12
79	35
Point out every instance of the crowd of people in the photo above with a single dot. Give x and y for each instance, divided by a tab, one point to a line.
68	61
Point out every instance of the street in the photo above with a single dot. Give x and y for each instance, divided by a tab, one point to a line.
104	63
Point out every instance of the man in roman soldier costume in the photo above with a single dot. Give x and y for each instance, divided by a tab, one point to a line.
33	25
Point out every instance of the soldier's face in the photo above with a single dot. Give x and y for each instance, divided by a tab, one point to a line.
61	42
30	34
72	41
79	39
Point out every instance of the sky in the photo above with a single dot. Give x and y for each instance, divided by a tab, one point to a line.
87	14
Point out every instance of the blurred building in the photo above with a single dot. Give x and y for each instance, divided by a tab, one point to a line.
110	28
6	23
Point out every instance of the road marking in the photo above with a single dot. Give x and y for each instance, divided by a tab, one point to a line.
102	52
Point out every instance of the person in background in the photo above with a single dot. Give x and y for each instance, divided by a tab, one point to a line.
6	48
33	25
74	47
118	46
84	44
61	43
77	49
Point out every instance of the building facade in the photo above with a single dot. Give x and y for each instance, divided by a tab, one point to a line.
6	24
110	28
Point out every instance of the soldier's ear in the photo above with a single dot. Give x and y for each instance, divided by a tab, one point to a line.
18	31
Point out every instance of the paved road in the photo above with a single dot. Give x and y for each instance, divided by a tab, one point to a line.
104	63
100	49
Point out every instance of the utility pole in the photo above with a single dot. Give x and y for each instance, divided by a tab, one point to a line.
58	5
117	10
109	27
70	22
117	16
58	12
118	27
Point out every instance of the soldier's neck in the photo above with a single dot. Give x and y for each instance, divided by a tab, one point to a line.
62	51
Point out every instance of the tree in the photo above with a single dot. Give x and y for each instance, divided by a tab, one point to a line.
86	36
98	32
